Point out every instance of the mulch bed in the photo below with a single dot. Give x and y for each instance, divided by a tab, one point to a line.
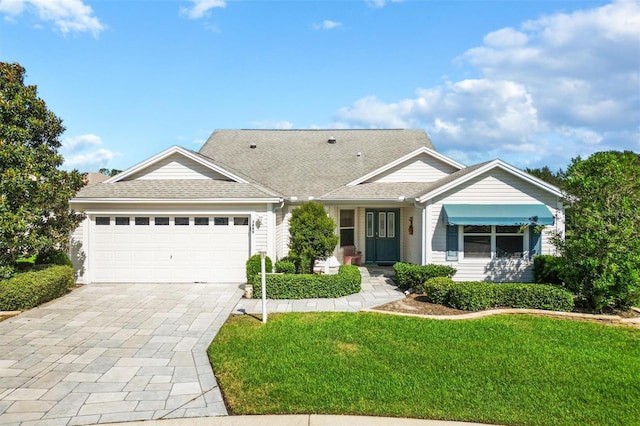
417	304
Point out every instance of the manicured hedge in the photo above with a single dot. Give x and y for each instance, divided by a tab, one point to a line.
413	276
29	289
474	296
311	286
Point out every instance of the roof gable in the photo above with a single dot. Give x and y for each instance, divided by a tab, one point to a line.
175	163
310	163
459	178
421	165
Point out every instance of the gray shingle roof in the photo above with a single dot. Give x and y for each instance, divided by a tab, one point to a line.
302	163
379	191
173	189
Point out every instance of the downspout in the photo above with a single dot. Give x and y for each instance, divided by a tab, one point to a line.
423	231
273	231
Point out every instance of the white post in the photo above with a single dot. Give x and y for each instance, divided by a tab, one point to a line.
263	279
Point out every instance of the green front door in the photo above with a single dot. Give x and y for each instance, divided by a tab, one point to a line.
382	236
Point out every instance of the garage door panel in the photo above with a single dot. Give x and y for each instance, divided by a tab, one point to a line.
170	253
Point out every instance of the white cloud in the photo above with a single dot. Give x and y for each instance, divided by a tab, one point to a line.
81	142
268	124
80	152
327	25
200	8
67	15
557	87
505	37
380	3
90	161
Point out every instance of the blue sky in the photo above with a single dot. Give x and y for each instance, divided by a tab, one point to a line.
531	82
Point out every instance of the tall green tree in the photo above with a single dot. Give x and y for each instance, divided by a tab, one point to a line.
109	172
312	234
34	192
602	253
545	173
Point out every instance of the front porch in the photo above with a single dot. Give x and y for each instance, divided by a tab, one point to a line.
378	234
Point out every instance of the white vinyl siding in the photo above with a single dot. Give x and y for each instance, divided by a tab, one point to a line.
77	247
260	234
411	243
423	168
280	249
176	166
494	187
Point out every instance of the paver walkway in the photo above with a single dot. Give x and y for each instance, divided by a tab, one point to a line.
124	352
110	353
377	289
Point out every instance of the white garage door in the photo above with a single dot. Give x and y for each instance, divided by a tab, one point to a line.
159	249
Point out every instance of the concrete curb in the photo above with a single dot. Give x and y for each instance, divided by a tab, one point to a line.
606	319
9	314
297	420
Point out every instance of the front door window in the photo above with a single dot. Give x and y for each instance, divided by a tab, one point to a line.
370	227
382	225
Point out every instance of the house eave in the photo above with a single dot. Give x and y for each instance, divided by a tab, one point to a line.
174	200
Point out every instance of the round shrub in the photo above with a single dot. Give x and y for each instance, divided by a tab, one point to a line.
53	257
285	266
254	268
408	275
437	289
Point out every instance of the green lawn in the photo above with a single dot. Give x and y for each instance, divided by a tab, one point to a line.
520	370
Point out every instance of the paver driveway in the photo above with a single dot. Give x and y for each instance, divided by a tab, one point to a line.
119	352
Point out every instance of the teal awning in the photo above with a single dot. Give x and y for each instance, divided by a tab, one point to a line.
498	214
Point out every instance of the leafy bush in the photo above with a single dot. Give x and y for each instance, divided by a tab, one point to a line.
312	234
29	289
310	286
436	289
474	296
602	250
254	268
547	269
25	263
53	257
285	266
413	276
6	272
